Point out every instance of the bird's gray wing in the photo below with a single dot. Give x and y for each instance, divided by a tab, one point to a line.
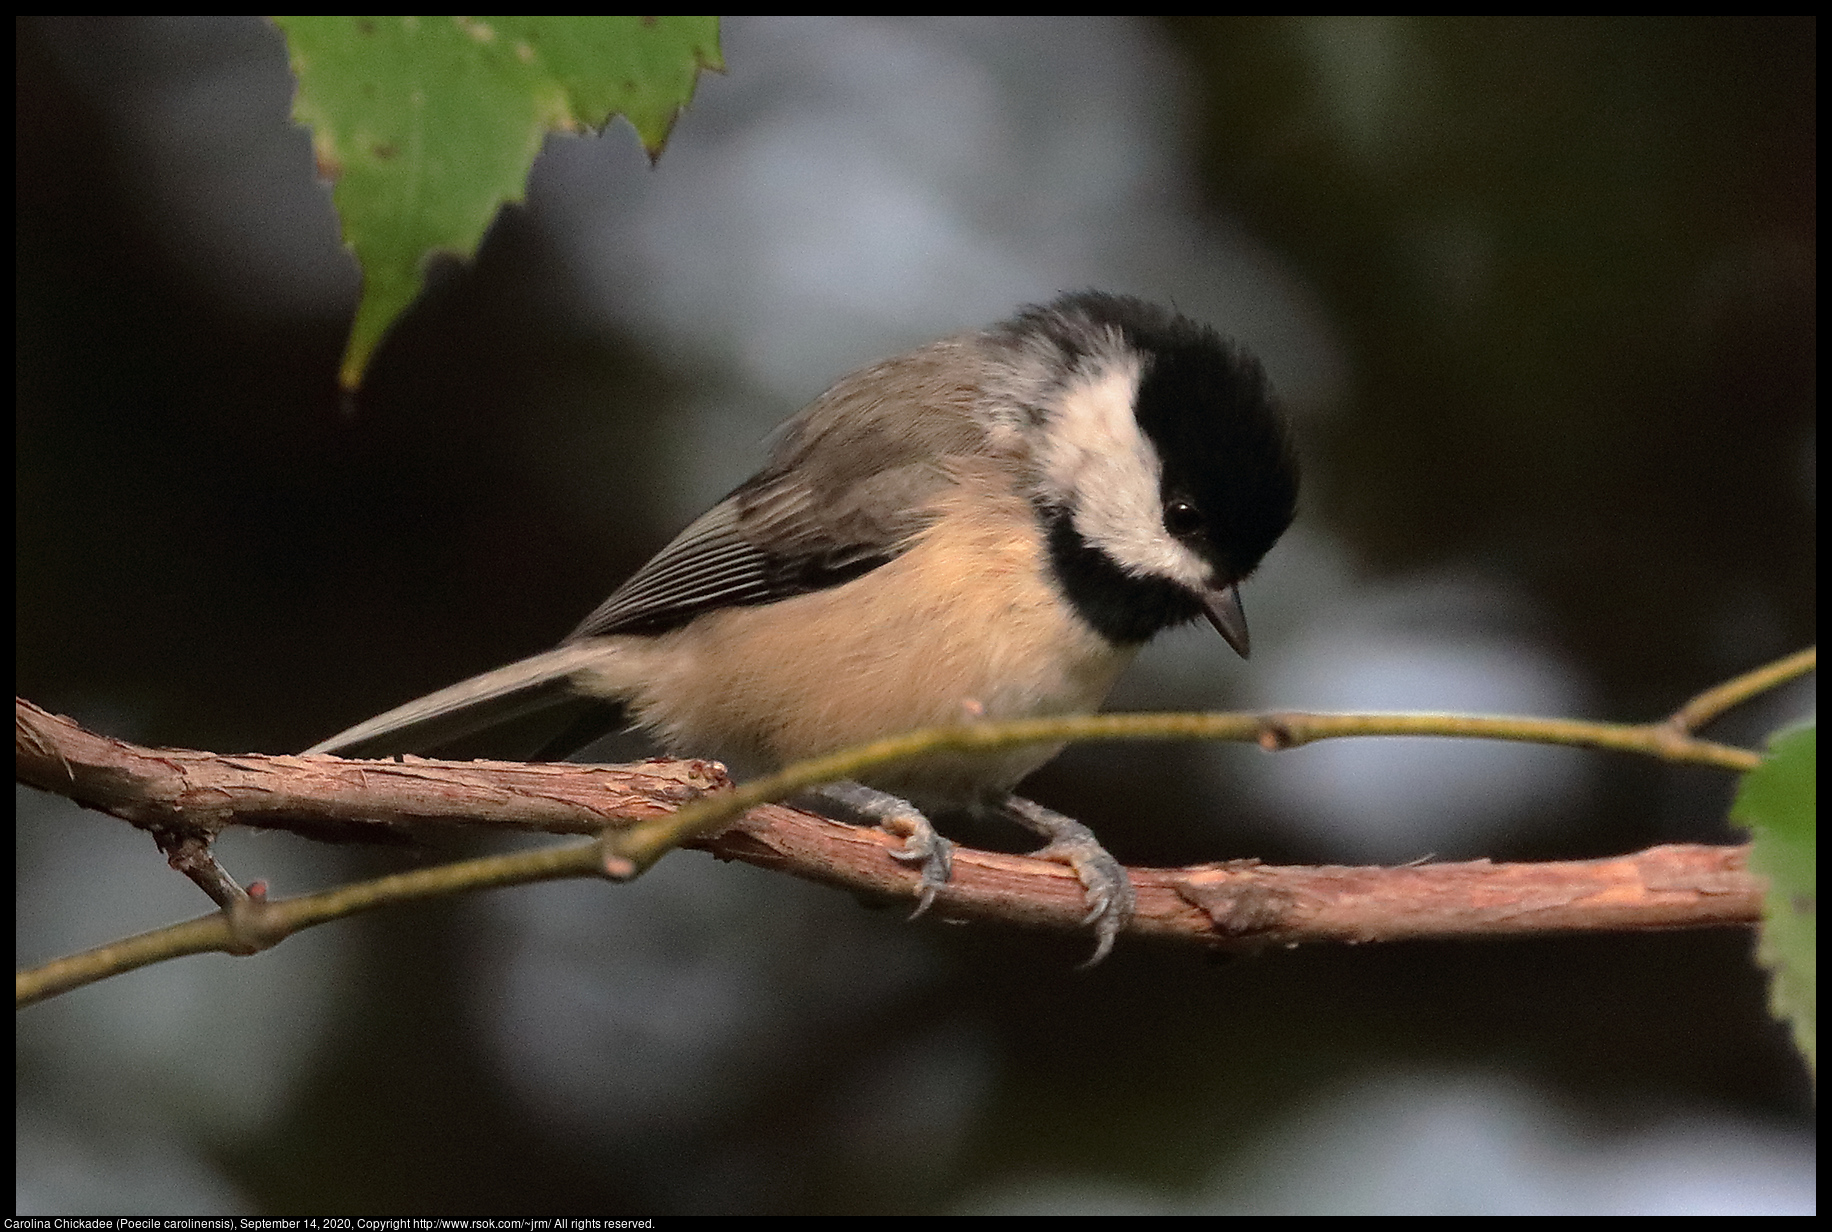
773	538
850	483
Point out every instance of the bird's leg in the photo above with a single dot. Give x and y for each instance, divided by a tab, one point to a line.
897	816
1110	897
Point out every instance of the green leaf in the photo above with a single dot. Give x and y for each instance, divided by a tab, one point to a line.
1777	801
429	124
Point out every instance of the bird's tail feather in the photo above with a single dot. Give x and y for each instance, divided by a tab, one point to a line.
538	683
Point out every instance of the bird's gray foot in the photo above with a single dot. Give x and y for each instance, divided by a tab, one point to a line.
1110	897
922	845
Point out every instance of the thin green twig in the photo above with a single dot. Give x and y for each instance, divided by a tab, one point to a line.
646	842
1714	702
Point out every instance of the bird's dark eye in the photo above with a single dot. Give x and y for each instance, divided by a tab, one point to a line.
1181	518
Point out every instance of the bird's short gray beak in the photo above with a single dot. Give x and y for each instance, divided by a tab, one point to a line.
1229	618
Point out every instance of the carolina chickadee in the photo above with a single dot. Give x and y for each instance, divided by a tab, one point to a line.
990	526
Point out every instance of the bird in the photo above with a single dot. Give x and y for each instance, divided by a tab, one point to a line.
989	526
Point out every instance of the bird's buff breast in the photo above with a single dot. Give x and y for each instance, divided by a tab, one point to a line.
965	626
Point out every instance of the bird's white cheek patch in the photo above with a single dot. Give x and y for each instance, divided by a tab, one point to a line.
1105	468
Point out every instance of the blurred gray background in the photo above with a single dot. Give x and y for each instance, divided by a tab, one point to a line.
1541	298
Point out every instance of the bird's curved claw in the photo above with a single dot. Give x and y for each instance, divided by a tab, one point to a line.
1112	902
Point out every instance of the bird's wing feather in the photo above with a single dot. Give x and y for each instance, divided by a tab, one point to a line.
843	492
